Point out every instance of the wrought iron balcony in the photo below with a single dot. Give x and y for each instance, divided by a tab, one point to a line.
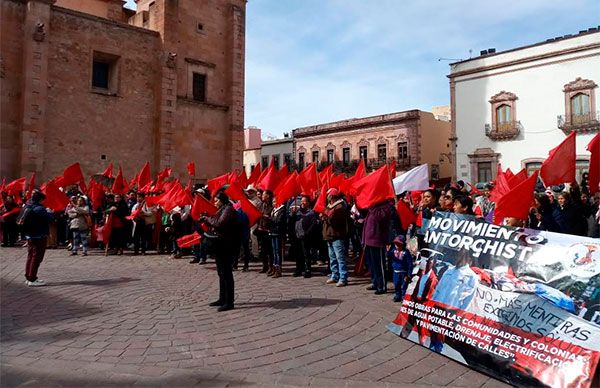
585	122
503	131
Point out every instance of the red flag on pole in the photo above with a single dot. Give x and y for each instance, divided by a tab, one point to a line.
308	180
202	205
109	171
72	174
270	180
559	167
55	199
189	240
216	183
321	203
594	172
191	167
406	214
393	169
517	178
283	173
287	189
517	201
237	194
120	184
16	187
31	185
144	176
254	175
374	188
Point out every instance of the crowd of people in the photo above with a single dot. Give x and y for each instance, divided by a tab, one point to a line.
330	239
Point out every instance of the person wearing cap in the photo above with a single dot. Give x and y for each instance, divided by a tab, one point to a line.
224	227
402	267
335	233
36	229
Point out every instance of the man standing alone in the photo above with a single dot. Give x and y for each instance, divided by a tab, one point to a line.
35	221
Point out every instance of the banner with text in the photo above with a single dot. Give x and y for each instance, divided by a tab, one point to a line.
519	304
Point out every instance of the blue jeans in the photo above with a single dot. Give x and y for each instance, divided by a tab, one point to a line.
276	245
337	260
80	237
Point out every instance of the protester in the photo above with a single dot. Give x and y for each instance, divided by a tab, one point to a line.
35	221
277	234
262	232
335	233
223	227
79	215
8	219
144	225
375	238
306	226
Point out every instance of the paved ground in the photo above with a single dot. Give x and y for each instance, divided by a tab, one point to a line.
144	320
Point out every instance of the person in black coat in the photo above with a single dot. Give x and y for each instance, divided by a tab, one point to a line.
223	230
541	215
564	214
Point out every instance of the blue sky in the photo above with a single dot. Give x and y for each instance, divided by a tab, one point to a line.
316	61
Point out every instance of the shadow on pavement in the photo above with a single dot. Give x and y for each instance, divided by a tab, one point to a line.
99	282
289	304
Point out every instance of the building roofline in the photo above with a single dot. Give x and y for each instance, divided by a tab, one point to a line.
277	141
589	31
354	123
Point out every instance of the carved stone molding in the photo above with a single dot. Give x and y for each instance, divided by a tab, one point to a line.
330	146
346	144
579	84
301	149
382	140
39	34
315	147
363	142
503	96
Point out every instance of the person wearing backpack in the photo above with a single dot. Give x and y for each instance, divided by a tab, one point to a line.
35	221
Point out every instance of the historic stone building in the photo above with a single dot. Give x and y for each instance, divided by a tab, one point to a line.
92	82
410	138
513	106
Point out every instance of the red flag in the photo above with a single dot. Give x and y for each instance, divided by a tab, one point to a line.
308	179
55	199
191	167
559	167
134	214
287	189
508	173
406	214
109	171
177	196
321	203
338	182
594	172
96	194
107	230
72	174
361	171
31	185
392	169
237	194
502	187
218	182
517	201
202	205
325	175
283	173
16	187
270	180
242	179
164	174
189	240
254	175
517	178
144	176
374	188
120	184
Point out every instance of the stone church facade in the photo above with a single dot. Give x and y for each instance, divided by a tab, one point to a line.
93	82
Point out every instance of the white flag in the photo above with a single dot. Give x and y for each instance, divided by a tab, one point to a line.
415	179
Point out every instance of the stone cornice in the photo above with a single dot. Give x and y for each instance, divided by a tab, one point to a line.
503	96
579	84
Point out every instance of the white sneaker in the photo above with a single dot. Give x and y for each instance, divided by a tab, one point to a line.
37	283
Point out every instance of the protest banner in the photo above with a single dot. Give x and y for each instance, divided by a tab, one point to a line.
521	305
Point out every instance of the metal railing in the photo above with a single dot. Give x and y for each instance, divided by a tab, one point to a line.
580	121
504	130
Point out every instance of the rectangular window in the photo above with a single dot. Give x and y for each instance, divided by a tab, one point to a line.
100	74
287	159
276	161
329	156
362	152
199	87
382	152
484	171
315	156
264	162
301	160
346	156
105	72
533	167
402	150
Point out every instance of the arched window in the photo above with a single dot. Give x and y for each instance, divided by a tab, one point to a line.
503	116
580	108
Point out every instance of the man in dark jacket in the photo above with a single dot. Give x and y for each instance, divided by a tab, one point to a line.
224	230
35	224
305	225
375	237
335	232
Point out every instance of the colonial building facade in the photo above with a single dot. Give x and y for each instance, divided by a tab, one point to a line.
92	82
410	138
512	107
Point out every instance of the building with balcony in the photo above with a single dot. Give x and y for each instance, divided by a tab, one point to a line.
512	107
409	138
